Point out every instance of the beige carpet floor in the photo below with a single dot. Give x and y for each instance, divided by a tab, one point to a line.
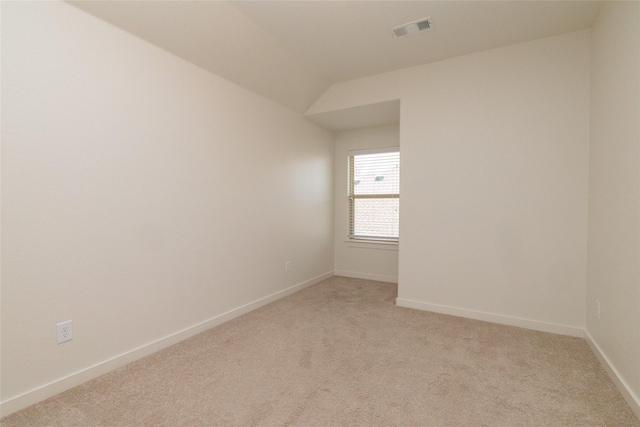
340	353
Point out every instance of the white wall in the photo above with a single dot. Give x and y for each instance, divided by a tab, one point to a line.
141	196
614	194
363	260
494	181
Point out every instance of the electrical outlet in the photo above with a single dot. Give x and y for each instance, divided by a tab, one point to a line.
598	309
287	266
65	331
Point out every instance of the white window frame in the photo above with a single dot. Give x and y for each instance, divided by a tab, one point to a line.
351	197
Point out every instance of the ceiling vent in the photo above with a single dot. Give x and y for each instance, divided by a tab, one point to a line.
411	28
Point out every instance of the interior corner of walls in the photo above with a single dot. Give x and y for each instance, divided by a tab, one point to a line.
629	395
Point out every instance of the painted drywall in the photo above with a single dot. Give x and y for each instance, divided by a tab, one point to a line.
614	192
494	181
141	195
362	260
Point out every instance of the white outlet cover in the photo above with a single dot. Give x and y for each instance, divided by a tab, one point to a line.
64	331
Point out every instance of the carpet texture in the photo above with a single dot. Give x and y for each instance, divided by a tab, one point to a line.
340	353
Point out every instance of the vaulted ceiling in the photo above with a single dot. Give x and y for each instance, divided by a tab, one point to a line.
293	51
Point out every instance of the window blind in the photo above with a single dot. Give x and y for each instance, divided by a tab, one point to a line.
374	194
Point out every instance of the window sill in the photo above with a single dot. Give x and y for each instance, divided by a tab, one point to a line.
372	244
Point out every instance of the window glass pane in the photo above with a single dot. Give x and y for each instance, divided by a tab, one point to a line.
376	217
377	173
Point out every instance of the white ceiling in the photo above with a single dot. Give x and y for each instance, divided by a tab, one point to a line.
345	40
292	51
218	38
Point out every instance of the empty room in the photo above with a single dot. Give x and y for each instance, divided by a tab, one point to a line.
347	213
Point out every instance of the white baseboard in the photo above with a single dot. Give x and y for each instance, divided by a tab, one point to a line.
494	318
376	277
43	392
628	394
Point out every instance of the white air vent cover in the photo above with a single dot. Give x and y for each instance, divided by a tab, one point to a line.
411	28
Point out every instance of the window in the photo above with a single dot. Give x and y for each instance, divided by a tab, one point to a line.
374	194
